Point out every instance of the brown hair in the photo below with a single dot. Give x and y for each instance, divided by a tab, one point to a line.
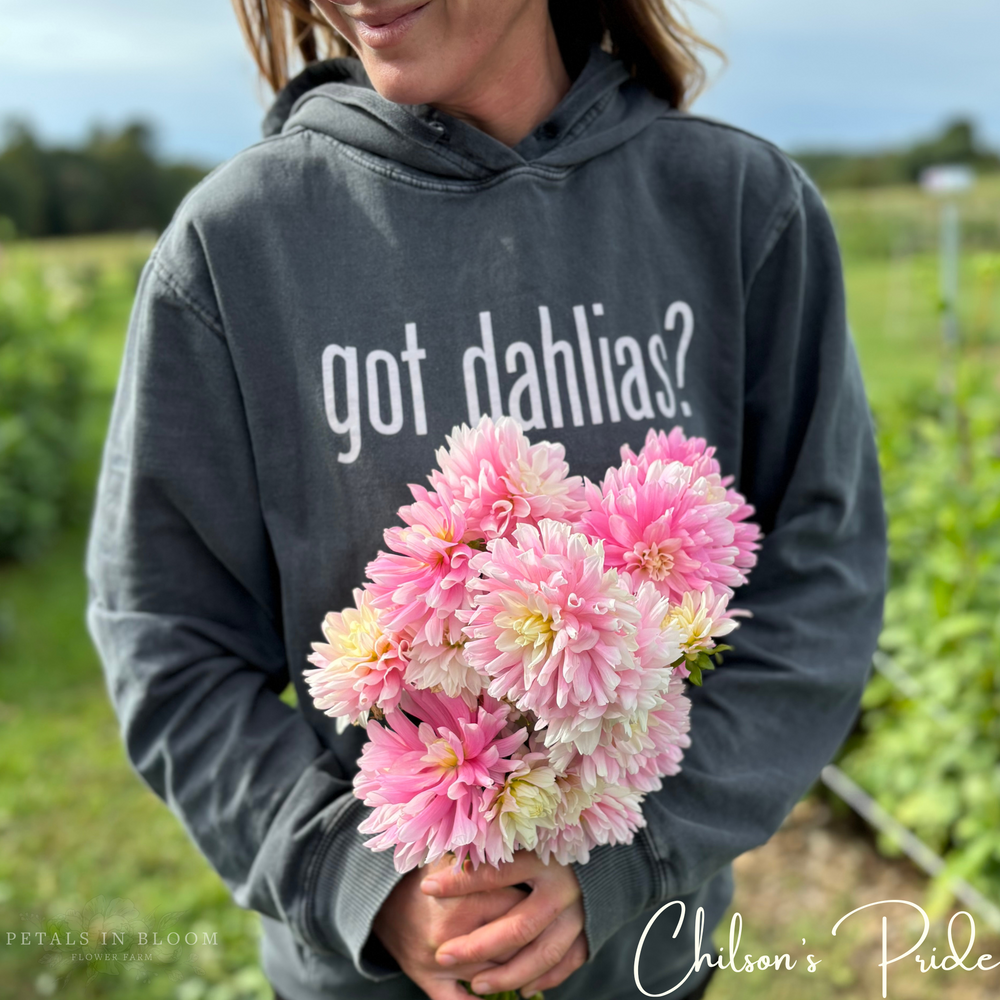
651	37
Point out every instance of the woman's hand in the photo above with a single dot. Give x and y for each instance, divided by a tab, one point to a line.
412	926
543	932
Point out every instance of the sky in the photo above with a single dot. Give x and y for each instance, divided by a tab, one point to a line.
803	73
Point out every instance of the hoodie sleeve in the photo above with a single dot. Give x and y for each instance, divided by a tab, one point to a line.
184	609
767	721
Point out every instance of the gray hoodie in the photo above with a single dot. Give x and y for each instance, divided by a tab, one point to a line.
324	308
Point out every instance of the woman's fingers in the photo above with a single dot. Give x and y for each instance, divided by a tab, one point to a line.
555	890
478	908
537	940
413	925
535	960
571	961
450	881
511	932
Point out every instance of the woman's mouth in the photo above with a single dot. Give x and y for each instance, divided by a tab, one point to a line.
382	29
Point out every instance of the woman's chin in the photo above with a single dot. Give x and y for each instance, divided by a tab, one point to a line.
403	82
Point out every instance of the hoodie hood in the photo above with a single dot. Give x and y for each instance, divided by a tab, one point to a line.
603	109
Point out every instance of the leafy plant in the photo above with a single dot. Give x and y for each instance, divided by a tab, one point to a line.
43	376
931	755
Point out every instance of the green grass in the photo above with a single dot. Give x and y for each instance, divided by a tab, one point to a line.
95	276
76	824
886	222
889	239
107	251
896	323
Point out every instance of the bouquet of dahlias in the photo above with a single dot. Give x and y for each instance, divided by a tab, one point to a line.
519	654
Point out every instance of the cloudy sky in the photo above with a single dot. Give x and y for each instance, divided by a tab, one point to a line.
801	72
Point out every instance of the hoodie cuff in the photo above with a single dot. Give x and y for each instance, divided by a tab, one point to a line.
350	882
618	883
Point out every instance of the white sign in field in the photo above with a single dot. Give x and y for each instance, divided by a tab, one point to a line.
947	179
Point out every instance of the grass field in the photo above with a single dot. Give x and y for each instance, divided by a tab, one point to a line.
889	239
77	828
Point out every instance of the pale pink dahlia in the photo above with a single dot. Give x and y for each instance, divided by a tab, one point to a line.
498	479
427	782
666	527
640	690
522	808
359	667
553	629
566	840
674	447
666	740
634	756
609	814
700	457
444	666
659	642
422	582
614	815
697	622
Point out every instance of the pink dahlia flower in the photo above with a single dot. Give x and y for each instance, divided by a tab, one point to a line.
666	740
614	816
520	809
700	457
641	690
498	479
609	814
444	666
663	526
553	629
567	841
427	781
629	751
674	447
697	622
422	582
659	643
359	667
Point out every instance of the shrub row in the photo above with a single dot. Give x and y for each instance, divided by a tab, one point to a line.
931	754
43	380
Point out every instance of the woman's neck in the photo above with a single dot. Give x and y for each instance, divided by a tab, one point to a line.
517	88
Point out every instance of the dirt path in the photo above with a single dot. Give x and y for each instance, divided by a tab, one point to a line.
814	871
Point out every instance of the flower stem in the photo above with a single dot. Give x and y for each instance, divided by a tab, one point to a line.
506	995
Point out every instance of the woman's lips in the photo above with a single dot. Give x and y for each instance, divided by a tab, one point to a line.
389	32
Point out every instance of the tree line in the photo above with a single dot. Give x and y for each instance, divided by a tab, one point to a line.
116	181
112	181
958	142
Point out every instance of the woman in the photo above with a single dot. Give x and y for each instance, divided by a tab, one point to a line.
484	212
